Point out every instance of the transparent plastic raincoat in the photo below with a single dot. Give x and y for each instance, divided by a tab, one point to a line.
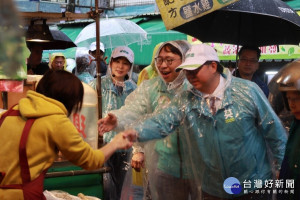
149	98
231	143
113	97
83	67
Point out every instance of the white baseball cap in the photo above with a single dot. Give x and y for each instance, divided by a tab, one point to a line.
93	47
197	55
123	51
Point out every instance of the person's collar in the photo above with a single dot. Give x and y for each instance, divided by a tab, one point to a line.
237	73
219	91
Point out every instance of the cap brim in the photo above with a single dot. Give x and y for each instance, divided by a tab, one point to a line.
188	67
131	61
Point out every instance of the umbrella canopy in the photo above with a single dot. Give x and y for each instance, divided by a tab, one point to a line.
113	33
59	41
247	22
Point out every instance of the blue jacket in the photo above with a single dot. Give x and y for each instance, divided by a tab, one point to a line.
257	80
231	143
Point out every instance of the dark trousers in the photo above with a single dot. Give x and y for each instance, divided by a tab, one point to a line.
168	187
113	181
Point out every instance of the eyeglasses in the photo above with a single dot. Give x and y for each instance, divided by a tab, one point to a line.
159	61
251	61
59	62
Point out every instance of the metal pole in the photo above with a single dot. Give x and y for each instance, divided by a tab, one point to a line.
97	17
77	172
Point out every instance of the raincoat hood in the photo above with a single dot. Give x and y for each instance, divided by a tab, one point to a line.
150	71
154	55
52	57
36	105
183	46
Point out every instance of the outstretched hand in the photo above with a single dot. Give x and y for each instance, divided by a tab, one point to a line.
107	124
125	140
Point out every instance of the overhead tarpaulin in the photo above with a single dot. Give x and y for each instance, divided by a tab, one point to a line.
177	12
130	10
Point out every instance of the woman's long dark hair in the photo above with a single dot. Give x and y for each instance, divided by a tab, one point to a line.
63	87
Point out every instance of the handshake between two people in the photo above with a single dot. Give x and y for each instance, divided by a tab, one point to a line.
107	124
123	140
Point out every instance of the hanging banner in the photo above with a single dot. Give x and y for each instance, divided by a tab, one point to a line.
177	12
273	52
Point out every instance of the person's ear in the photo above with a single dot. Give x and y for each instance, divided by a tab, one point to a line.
214	66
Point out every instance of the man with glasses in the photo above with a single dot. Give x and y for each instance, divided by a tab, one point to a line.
168	176
230	130
58	61
248	64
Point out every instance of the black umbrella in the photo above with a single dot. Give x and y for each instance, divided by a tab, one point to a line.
247	22
60	41
57	40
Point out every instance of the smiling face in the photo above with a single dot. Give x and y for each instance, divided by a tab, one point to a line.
293	98
167	62
119	68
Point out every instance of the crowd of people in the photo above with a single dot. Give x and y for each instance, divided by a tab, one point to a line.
195	129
